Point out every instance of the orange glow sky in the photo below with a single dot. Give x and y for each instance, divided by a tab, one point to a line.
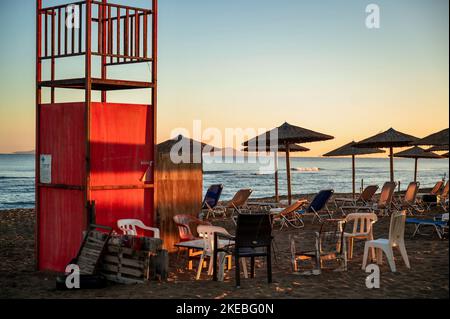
248	64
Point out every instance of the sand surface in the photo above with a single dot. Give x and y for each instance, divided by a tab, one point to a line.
428	277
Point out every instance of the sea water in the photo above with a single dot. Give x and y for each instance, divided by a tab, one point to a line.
308	174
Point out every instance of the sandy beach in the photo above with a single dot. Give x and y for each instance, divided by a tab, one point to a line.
428	277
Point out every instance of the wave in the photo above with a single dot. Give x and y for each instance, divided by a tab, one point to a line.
306	169
16	177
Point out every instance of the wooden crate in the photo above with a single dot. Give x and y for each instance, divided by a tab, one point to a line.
134	265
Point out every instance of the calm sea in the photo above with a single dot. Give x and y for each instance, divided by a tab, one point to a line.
309	175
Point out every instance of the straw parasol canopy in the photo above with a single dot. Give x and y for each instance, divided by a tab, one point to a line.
350	150
416	153
180	143
281	148
286	135
445	155
439	138
438	148
388	139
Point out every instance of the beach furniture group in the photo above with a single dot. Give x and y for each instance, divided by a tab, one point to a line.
352	220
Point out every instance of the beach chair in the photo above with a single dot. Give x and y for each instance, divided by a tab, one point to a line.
396	239
443	198
253	239
327	244
384	204
207	233
288	216
430	199
439	224
184	224
237	203
364	199
409	201
131	226
362	230
211	200
318	207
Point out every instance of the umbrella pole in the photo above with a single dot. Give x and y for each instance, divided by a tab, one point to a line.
391	155
353	176
277	197
288	173
415	169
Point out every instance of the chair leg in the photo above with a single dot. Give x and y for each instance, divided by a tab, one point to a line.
210	267
238	271
350	248
366	254
390	257
244	267
252	267
200	266
404	254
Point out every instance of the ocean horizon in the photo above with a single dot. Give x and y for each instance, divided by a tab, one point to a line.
309	175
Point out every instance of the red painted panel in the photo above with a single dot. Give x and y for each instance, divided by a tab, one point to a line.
113	205
61	225
121	139
63	137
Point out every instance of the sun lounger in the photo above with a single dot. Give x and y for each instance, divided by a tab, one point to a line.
318	206
211	200
440	225
384	204
289	216
364	199
409	201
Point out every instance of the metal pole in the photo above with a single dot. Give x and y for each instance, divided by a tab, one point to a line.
353	176
102	21
288	173
415	169
38	117
154	92
391	155
87	122
277	196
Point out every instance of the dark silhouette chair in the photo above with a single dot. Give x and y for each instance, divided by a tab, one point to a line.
212	199
253	239
318	206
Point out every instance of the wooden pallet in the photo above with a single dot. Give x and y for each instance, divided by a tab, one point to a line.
130	266
92	249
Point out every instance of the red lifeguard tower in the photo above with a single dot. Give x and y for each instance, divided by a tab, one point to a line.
93	157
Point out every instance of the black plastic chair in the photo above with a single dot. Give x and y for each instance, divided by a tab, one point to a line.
253	239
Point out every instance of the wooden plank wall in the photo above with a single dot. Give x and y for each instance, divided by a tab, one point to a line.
178	191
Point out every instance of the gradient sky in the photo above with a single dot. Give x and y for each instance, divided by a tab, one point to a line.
258	63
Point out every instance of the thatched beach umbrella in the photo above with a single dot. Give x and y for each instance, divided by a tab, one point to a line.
350	150
286	135
440	138
445	155
416	153
281	148
389	139
179	144
437	148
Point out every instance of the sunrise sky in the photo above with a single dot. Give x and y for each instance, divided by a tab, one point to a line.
259	63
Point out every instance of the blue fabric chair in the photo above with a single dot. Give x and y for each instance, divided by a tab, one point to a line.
212	198
319	205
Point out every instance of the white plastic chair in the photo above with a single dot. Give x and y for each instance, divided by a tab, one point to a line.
128	227
396	239
362	229
207	233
